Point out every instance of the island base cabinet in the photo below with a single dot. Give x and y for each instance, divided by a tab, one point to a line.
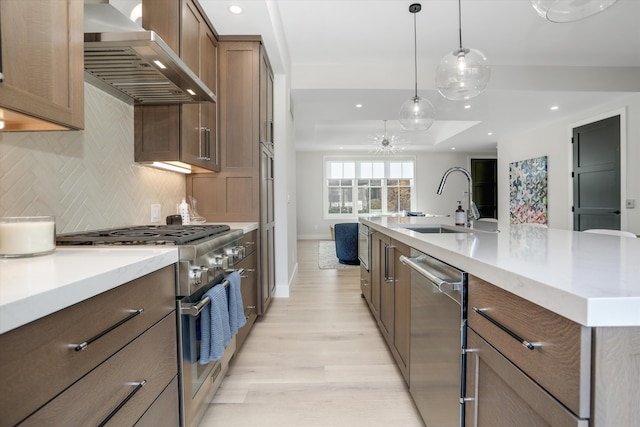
616	377
498	394
365	284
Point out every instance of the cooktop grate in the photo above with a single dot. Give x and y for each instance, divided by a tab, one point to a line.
143	235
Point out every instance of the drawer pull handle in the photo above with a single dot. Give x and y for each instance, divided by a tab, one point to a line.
137	388
525	343
85	344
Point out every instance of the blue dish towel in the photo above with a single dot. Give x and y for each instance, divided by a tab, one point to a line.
215	334
236	307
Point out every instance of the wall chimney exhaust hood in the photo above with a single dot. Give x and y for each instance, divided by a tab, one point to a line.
134	64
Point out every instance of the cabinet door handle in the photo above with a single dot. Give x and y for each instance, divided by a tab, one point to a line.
84	345
271	132
136	389
249	271
207	142
388	276
525	343
204	143
201	138
251	308
216	146
472	399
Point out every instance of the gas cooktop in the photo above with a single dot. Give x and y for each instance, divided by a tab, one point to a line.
144	235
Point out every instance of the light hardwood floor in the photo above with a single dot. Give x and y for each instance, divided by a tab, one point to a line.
316	359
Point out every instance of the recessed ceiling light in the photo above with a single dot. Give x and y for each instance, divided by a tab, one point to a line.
136	13
453	148
554	108
490	133
236	10
358	105
466	107
342	148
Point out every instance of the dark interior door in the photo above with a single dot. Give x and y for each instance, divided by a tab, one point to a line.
485	186
596	175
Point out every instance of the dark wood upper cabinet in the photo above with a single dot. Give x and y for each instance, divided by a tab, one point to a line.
43	74
181	134
244	188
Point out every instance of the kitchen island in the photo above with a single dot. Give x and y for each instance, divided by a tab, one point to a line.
552	320
591	279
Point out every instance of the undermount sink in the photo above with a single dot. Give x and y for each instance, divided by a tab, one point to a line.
435	228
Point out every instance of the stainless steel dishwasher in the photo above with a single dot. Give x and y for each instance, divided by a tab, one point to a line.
438	339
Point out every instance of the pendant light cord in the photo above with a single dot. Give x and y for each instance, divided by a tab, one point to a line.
460	22
415	53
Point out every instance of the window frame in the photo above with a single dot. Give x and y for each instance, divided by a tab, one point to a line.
358	160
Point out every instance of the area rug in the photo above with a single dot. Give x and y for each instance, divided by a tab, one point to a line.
327	259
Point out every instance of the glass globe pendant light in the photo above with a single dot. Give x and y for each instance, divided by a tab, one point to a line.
416	113
569	10
464	73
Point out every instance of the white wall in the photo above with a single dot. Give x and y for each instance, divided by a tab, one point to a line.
86	179
429	170
554	141
285	189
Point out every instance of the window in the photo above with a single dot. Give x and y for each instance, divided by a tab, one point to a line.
368	186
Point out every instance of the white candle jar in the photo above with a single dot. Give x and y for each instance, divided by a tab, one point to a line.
27	236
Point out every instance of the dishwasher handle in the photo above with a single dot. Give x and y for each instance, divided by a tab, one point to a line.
442	285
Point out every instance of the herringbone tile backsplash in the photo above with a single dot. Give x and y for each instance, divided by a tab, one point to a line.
86	179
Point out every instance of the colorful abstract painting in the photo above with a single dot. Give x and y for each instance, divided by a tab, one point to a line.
528	191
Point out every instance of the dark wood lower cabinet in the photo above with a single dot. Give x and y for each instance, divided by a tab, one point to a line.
390	296
165	410
501	395
45	381
134	377
249	285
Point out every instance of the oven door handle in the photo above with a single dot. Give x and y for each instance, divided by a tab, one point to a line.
194	309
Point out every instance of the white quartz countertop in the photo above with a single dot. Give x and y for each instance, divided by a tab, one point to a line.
31	288
591	279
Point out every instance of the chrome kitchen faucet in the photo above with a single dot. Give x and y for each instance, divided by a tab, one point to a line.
472	211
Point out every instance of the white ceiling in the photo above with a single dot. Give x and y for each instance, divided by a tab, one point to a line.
340	53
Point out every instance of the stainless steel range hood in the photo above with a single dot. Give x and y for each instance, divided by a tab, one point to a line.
134	64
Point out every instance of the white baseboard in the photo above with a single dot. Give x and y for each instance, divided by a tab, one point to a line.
283	291
314	236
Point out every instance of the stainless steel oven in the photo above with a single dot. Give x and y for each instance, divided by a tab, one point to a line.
199	381
364	245
201	267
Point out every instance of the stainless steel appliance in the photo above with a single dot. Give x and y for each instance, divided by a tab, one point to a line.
438	339
133	64
207	254
364	245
